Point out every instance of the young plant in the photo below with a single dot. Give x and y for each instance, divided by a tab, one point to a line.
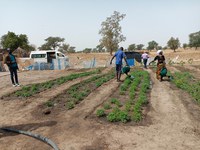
106	106
70	105
100	113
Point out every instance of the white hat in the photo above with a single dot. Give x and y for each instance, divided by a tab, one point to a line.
158	52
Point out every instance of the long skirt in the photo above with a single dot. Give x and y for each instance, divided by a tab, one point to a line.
159	68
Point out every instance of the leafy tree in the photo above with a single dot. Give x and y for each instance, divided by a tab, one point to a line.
152	45
173	43
194	39
71	49
44	47
139	46
111	32
52	43
87	50
159	47
165	47
64	48
94	50
100	48
131	47
13	41
185	45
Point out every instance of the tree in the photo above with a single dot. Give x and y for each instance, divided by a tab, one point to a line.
152	45
71	49
185	45
52	43
173	43
111	32
87	50
139	46
100	48
13	41
165	47
64	48
159	47
194	39
131	47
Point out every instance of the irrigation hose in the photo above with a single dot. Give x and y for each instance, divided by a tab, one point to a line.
36	136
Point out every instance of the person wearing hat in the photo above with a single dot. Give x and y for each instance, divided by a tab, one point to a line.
119	57
160	64
11	62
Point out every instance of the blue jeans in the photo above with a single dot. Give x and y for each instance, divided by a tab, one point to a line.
13	72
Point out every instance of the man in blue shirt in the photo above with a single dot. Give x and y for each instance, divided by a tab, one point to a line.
11	62
119	57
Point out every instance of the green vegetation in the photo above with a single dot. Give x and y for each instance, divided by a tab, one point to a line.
100	113
111	32
118	115
70	105
124	110
86	87
173	43
32	89
185	81
194	39
49	104
107	106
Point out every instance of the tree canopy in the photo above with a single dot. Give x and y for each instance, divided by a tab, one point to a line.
131	47
111	32
152	45
52	43
194	39
13	41
173	43
139	46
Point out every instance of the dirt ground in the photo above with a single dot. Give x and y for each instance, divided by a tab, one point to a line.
173	117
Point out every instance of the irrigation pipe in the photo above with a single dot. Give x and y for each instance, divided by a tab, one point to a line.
36	136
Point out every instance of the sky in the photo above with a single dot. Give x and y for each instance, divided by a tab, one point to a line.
79	21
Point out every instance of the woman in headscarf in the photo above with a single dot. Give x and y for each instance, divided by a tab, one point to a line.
160	64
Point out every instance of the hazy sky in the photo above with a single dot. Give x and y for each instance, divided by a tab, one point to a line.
79	21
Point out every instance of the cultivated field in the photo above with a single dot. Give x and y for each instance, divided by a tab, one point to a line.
86	109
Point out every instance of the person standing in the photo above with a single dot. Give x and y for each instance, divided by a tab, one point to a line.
119	57
160	64
11	62
145	57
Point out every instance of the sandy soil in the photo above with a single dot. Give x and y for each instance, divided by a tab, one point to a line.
174	121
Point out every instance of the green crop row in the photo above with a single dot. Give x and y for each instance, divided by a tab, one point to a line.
32	89
131	109
185	81
78	92
142	97
76	97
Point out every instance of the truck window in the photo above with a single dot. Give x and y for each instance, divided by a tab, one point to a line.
60	55
38	55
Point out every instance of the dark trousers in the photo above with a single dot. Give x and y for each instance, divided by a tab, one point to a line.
13	72
145	63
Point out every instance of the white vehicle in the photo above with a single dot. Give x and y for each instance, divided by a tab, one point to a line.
47	56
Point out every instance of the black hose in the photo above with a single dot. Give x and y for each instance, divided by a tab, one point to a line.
36	136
